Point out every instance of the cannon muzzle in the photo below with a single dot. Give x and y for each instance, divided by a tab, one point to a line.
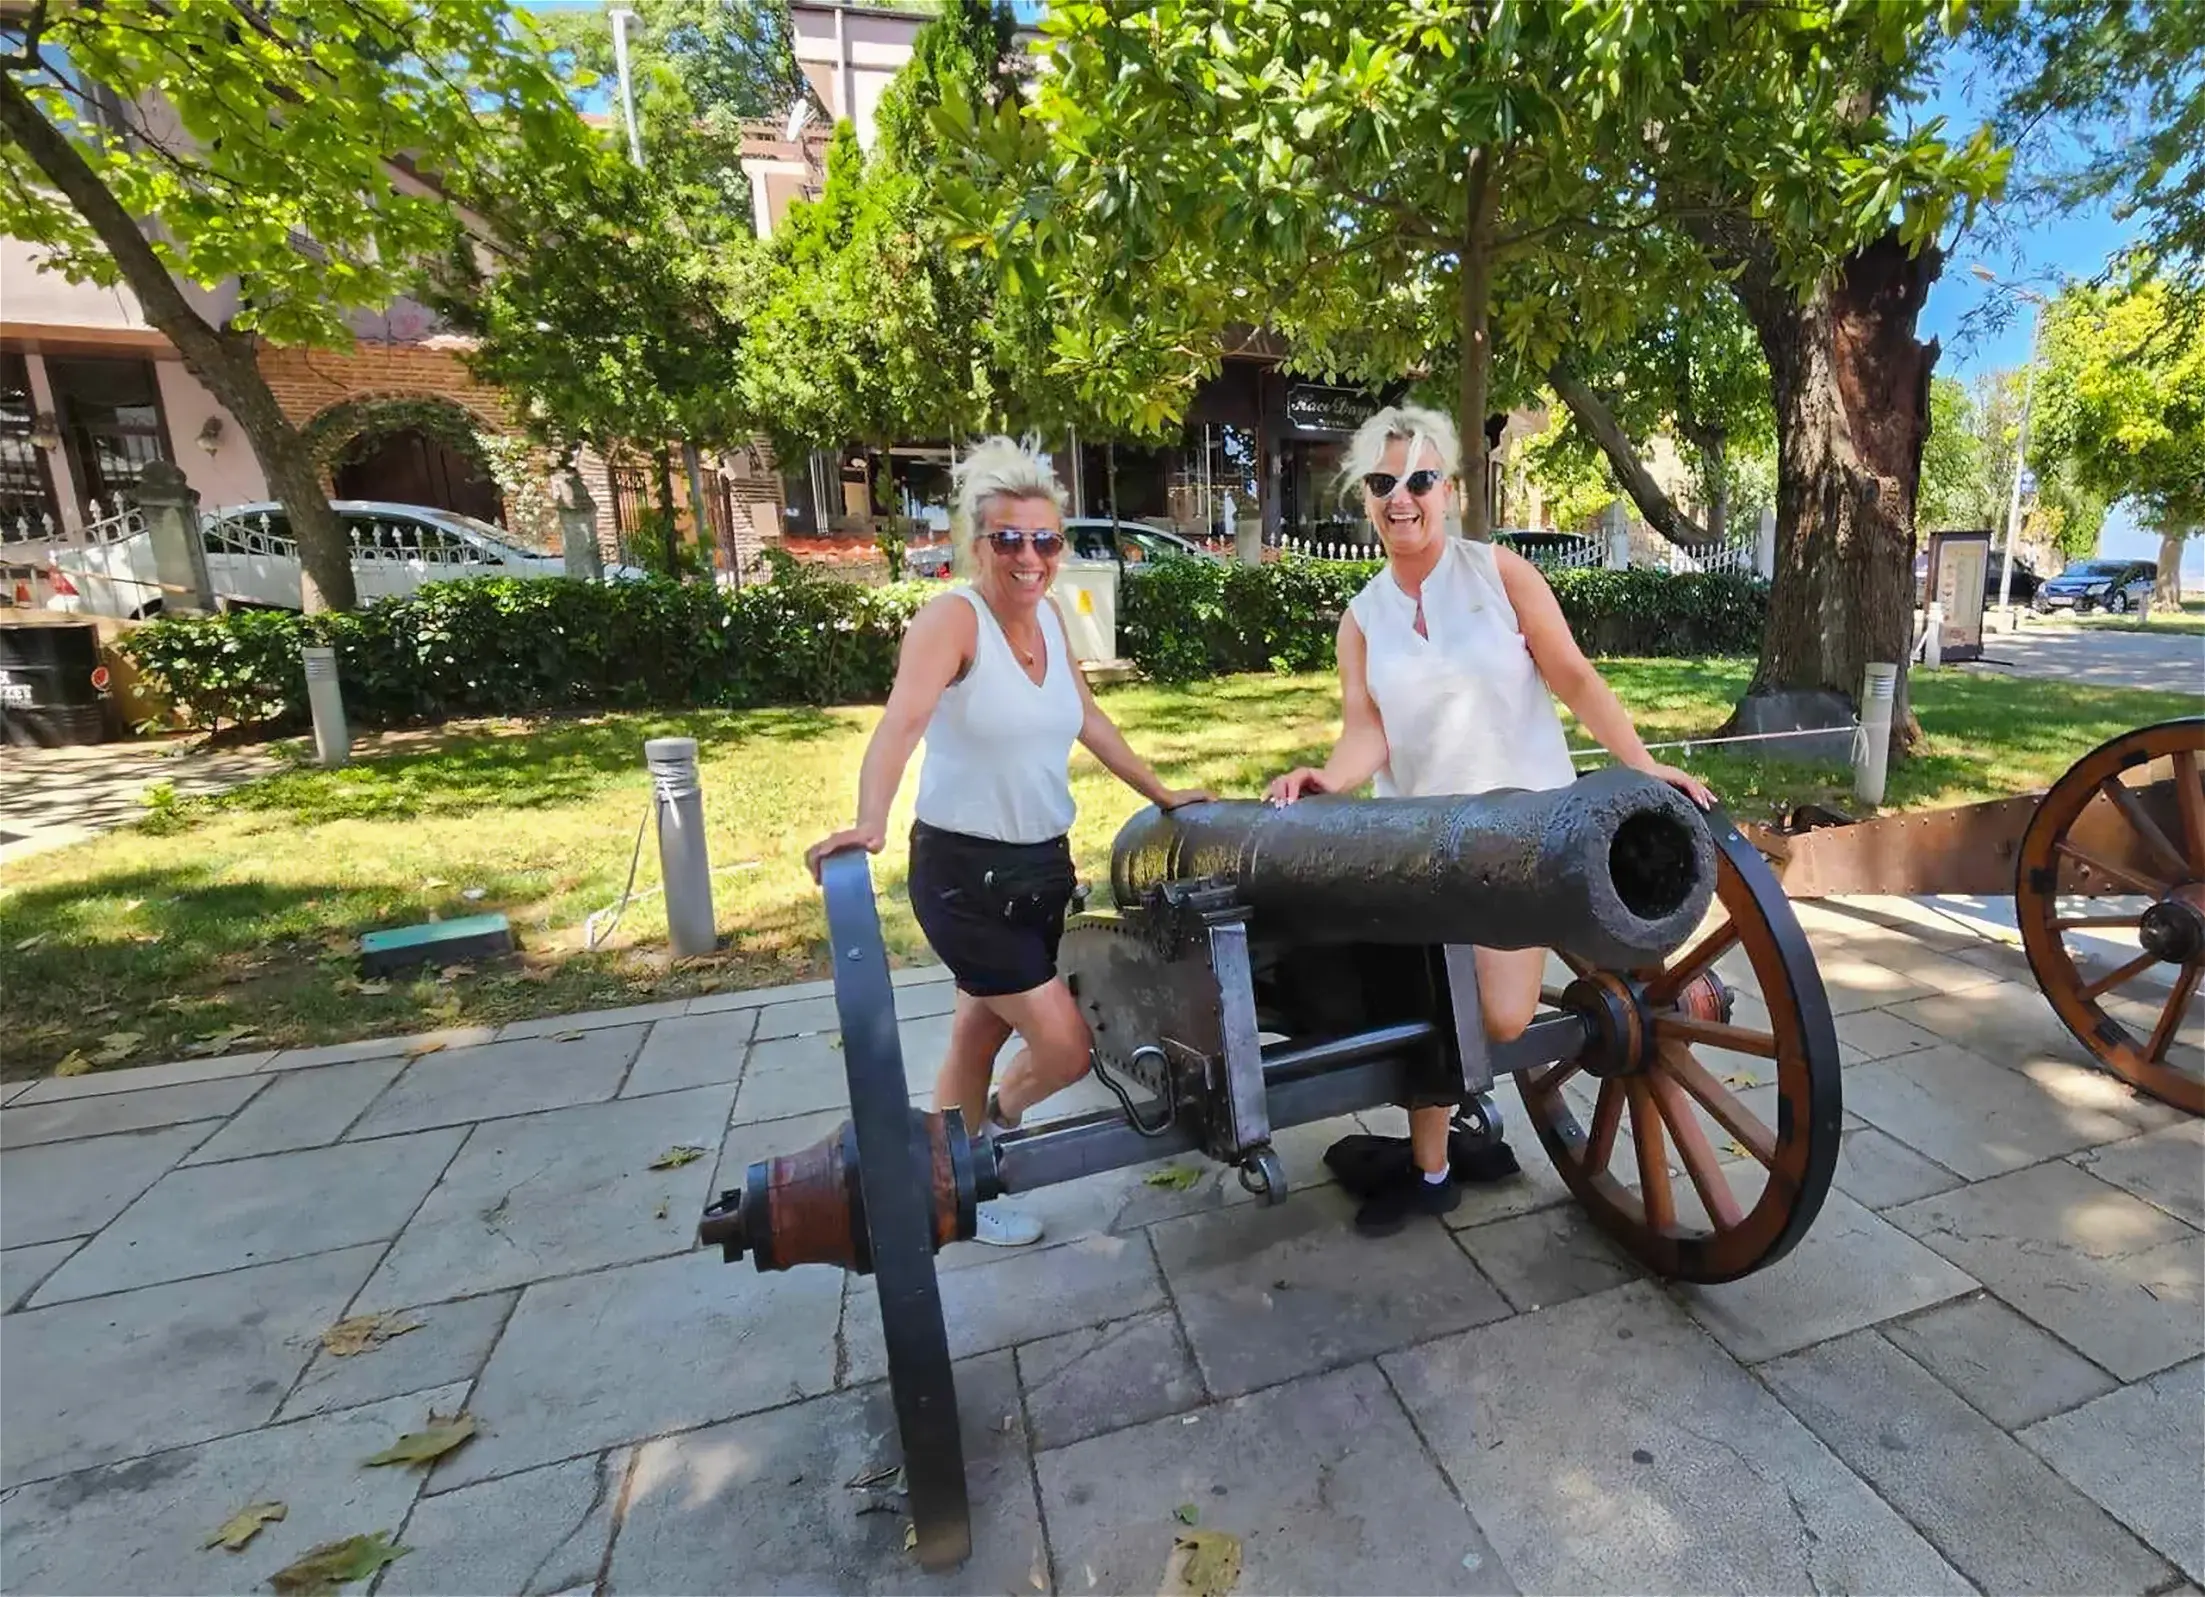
1617	868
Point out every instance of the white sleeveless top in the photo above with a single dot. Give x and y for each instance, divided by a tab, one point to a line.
1465	708
999	745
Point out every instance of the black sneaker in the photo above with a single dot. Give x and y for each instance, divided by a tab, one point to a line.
1407	1195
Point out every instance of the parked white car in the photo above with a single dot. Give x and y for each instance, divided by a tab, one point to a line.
252	559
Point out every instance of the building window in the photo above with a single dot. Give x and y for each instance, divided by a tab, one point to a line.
28	507
111	422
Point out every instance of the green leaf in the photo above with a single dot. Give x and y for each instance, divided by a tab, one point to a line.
329	1568
1178	1178
242	1526
1186	1513
674	1158
427	1445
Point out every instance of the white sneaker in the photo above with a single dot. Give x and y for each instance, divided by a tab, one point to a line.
1005	1228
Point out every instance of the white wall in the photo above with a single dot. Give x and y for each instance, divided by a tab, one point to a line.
229	476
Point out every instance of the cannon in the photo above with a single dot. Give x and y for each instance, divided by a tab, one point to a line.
2106	869
1264	967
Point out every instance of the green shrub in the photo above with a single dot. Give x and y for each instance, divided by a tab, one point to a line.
1182	619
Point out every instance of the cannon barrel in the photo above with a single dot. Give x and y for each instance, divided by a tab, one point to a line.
1617	868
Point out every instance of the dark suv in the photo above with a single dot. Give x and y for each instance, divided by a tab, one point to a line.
2117	586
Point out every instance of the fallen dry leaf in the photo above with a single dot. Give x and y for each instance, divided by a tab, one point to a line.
1179	1178
371	989
217	1042
31	942
882	1478
1203	1563
363	1331
116	1046
568	1036
675	1157
73	1063
430	1443
1737	1149
242	1526
472	894
436	881
330	1567
910	1537
1740	1080
420	1048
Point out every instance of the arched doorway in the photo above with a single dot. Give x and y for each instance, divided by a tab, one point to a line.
414	450
411	466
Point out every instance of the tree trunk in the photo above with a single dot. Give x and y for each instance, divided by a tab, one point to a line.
1851	388
2166	593
222	360
1593	415
1714	446
665	461
1477	352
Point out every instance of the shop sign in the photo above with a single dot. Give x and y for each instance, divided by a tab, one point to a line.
1337	410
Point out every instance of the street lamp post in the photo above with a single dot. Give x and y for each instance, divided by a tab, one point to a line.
2021	442
620	21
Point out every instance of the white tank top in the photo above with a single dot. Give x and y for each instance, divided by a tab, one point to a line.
999	744
1465	707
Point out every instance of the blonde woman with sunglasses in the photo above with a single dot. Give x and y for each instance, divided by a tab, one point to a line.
986	677
1451	659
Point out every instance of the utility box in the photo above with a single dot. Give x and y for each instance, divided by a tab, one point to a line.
1087	594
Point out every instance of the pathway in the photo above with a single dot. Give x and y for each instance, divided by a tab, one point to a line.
1982	1369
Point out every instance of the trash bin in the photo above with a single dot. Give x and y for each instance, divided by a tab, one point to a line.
1087	593
50	684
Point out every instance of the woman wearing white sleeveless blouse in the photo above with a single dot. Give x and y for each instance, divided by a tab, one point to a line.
1450	662
987	678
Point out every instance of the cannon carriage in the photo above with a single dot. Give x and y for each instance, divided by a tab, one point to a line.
1260	968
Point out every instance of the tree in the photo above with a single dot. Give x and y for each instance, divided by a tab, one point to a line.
1968	467
310	151
2122	395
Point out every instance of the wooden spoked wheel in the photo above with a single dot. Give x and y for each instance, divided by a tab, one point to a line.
1657	1076
2125	824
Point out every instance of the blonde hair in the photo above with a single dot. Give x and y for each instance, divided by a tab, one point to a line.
1416	423
996	468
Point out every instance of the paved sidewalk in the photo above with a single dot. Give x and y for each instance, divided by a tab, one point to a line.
50	798
1984	1369
2171	662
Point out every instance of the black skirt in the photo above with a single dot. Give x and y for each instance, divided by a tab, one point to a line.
992	911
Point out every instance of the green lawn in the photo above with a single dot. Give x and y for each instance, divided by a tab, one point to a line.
2190	619
232	922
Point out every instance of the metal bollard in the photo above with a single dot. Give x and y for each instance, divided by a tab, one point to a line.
325	696
682	862
1872	748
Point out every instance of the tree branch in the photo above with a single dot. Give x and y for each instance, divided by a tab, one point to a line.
27	58
1595	417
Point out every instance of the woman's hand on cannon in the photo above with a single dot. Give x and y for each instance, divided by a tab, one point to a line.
1302	779
872	838
1173	798
1684	782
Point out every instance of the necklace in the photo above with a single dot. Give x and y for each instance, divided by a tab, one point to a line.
1026	655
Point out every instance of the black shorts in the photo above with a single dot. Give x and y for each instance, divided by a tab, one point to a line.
993	912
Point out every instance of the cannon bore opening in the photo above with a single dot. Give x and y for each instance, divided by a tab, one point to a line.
1652	864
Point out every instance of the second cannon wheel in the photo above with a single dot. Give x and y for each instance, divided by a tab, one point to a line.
1727	1129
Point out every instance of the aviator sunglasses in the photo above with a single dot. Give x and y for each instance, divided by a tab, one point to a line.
1008	540
1380	484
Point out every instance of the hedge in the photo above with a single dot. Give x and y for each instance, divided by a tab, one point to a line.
503	646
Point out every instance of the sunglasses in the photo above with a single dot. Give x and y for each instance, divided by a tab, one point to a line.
1380	484
1009	540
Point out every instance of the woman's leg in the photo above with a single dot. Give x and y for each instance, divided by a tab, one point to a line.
1508	992
976	1035
1056	1046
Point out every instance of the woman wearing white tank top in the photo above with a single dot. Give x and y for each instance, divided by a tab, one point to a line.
987	678
1450	662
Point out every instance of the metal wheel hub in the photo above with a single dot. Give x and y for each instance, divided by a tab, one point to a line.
1622	1033
2174	928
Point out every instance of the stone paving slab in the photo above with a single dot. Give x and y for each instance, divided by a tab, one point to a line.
516	1078
556	1193
541	1531
243	1337
21	1269
450	1343
208	1218
2138	1452
1322	1479
2002	1519
1878	1171
594	1020
141	1526
1271	1292
696	1051
1547	1257
2165	1168
103	1083
301	1109
2119	1281
2005	1365
450	1039
1610	1445
1100	1377
1028	1295
25	1126
71	1189
764	1505
594	1361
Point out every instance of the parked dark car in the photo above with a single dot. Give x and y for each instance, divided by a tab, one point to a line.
2117	586
2025	584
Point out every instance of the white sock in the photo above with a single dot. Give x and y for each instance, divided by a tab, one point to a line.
1433	1178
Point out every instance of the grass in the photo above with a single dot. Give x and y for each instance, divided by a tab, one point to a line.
234	921
2189	620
